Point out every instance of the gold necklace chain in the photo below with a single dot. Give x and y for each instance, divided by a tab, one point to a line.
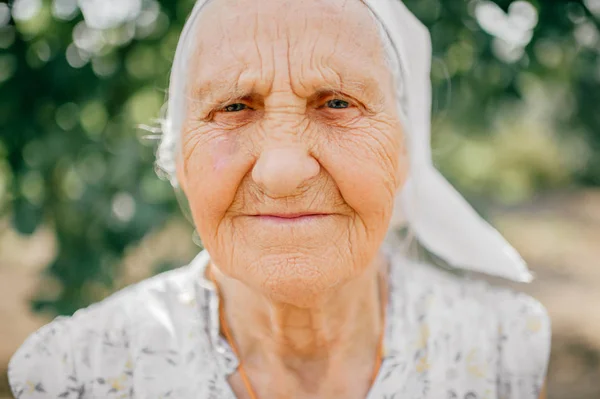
242	371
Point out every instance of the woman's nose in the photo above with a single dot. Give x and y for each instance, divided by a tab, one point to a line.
280	172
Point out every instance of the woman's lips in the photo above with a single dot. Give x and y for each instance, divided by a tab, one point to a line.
291	217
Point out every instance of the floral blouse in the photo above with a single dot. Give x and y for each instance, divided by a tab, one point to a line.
447	337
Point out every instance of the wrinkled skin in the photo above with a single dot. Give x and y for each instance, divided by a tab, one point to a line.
292	112
288	151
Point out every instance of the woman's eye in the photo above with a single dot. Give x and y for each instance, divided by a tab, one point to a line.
237	107
337	104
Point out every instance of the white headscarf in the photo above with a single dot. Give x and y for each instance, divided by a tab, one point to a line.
438	215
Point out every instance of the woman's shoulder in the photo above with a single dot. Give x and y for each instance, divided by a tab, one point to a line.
474	296
99	345
481	323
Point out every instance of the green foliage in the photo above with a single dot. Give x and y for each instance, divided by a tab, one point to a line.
72	155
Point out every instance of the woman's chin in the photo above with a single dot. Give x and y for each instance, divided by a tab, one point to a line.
301	281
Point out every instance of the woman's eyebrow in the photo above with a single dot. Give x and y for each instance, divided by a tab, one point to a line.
362	89
215	92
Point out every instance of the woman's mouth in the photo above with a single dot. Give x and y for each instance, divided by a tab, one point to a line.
291	217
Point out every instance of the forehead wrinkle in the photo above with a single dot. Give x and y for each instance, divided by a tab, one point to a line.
223	71
353	40
219	91
338	73
215	86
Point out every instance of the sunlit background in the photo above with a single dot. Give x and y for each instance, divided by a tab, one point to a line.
82	213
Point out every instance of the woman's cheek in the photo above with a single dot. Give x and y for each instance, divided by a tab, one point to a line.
364	165
222	153
207	154
214	169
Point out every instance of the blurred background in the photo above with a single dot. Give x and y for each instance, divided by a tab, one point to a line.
83	214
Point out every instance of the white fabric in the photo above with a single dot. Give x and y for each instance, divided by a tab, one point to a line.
446	337
438	215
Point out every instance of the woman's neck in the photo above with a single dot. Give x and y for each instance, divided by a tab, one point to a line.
334	339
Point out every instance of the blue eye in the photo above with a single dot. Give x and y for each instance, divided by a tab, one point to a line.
237	107
337	104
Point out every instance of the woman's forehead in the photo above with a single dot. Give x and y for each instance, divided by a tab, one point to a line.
286	12
336	39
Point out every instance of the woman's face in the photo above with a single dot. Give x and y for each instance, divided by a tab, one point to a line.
292	150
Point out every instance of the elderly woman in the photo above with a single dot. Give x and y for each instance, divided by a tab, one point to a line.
298	131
